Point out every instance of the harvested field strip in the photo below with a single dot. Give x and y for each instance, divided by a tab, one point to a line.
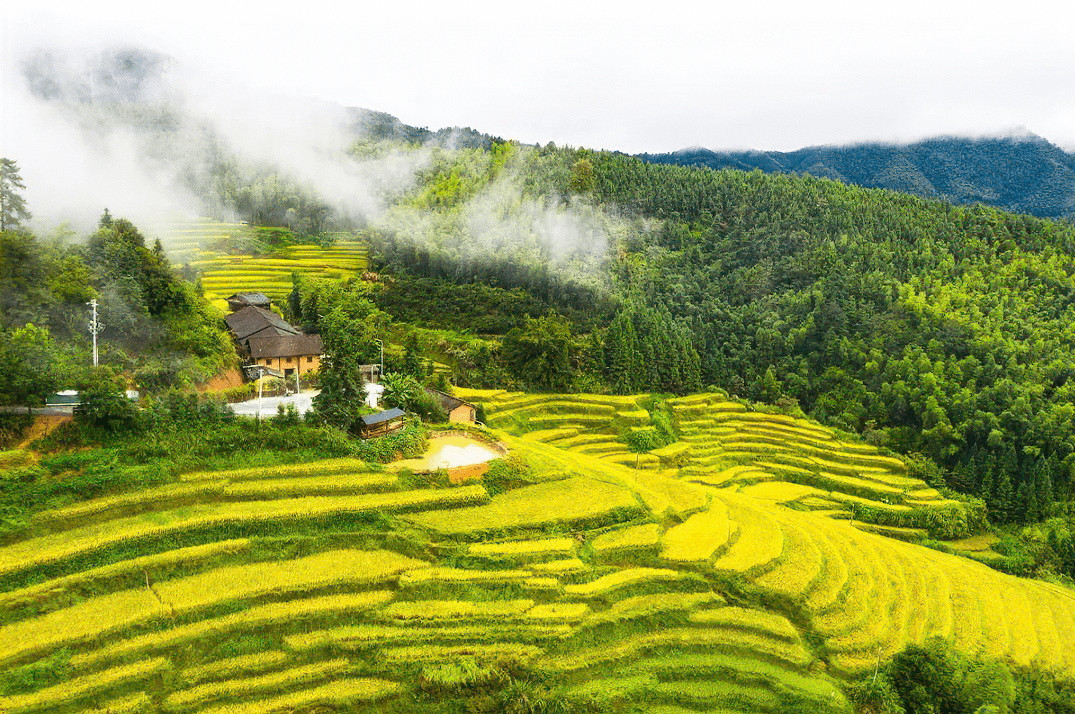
363	637
135	566
438	653
741	669
77	689
603	448
107	614
611	693
339	693
700	537
130	704
276	681
560	567
580	421
647	535
565	407
272	614
58	546
558	612
210	491
792	655
624	578
323	467
739	696
580	440
851	499
762	622
574	500
779	491
523	549
441	575
642	606
728	474
796	433
228	668
436	611
559	435
760	542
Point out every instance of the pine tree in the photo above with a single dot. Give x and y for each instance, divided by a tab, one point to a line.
12	206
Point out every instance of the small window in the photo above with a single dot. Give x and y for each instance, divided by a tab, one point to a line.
310	360
290	360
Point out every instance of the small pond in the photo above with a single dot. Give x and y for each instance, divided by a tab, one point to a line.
449	452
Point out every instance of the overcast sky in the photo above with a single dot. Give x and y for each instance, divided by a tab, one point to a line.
766	74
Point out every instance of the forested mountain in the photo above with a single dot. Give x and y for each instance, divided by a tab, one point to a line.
927	327
1021	173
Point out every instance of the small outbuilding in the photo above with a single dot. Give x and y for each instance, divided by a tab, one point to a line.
457	410
238	301
381	423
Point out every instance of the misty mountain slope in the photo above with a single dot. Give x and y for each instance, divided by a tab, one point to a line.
1025	173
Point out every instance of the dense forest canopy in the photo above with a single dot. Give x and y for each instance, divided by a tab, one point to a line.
1022	172
931	328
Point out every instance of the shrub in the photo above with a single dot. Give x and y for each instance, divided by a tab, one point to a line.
12	428
104	405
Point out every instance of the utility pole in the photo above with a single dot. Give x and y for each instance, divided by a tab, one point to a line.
95	328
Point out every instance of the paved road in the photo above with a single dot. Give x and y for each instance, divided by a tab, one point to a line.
303	402
40	411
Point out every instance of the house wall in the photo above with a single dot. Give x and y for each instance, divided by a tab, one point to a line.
462	414
306	363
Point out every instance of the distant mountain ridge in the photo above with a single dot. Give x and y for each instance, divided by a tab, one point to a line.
1022	173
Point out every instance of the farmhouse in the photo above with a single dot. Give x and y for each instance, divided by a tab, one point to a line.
271	341
287	354
457	409
238	301
253	321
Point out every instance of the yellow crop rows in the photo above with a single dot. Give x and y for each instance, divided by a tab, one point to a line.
244	687
569	501
117	611
274	614
647	535
77	689
679	588
245	664
338	693
56	547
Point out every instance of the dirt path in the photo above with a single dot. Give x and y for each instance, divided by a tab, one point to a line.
42	426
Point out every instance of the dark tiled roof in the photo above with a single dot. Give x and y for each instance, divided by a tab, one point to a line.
284	346
250	298
251	321
380	417
447	401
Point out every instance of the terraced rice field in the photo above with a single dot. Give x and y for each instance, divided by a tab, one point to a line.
192	242
722	443
332	587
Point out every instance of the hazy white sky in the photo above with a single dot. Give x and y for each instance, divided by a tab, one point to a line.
766	74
